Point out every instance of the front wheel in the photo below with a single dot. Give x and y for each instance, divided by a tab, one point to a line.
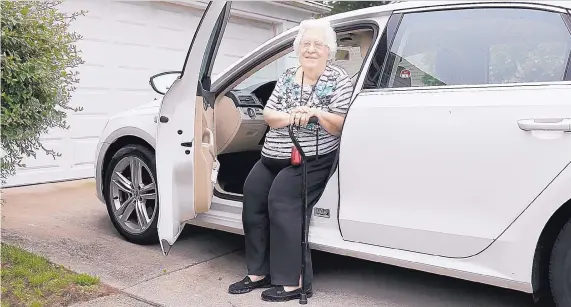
560	268
131	194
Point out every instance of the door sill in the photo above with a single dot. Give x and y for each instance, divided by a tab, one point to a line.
219	192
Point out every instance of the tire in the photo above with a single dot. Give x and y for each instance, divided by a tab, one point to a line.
560	268
115	195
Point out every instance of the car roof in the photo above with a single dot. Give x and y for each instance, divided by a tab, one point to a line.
403	5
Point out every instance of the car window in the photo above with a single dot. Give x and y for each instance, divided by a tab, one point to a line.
349	58
351	61
215	37
477	46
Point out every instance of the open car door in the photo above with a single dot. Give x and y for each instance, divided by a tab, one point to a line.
185	147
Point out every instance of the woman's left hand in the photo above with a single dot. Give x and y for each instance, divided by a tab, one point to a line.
301	115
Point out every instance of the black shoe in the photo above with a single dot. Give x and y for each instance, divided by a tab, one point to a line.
278	294
246	285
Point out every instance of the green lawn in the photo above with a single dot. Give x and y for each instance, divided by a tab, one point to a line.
31	280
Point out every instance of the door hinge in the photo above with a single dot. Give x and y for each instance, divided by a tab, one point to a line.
186	144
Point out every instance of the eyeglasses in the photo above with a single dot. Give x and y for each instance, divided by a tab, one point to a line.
317	45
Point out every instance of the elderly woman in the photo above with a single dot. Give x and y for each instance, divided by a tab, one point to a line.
272	210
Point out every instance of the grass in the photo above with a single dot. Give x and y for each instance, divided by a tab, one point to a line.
32	281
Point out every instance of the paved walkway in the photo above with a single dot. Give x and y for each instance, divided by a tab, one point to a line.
67	223
116	300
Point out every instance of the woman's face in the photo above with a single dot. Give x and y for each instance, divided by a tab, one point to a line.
313	53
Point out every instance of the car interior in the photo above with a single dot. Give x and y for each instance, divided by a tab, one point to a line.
239	121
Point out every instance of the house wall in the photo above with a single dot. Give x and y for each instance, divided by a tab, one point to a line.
126	42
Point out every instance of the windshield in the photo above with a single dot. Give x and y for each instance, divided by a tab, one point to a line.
270	72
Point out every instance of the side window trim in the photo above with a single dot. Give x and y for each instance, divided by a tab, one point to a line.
370	24
501	5
213	43
567	19
401	14
384	41
390	41
193	39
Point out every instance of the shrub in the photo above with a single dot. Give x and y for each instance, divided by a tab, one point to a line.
38	60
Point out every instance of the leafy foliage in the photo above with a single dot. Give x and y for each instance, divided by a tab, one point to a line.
38	57
345	6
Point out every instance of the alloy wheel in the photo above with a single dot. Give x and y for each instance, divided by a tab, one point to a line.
133	193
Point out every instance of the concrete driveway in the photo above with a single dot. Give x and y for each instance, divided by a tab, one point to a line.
68	224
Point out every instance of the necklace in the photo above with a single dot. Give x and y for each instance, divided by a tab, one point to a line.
312	87
310	93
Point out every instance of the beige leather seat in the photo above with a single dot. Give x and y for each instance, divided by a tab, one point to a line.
228	120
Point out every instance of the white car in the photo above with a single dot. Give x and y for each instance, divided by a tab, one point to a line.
454	159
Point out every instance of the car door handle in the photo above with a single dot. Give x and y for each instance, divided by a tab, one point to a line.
210	142
545	124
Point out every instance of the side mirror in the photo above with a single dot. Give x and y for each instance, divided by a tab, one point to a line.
163	81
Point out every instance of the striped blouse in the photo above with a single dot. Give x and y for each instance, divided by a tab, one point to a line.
331	93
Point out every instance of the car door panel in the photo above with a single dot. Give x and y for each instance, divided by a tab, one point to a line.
204	157
447	171
185	150
453	139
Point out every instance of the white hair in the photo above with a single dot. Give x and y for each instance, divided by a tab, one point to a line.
330	38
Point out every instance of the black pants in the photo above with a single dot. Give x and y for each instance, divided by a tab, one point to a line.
272	216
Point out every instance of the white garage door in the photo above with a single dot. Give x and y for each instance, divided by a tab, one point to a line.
123	44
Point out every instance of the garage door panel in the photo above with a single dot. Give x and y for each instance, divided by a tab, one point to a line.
94	77
123	44
156	59
170	39
85	26
127	33
137	56
43	161
131	11
248	23
96	53
96	10
256	35
114	78
236	46
55	134
133	79
180	19
109	102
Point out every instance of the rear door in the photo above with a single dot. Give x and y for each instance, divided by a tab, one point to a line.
185	148
468	124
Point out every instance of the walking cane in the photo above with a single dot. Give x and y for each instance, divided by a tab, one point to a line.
304	233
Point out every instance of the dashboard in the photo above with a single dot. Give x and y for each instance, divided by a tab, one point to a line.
252	100
240	124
